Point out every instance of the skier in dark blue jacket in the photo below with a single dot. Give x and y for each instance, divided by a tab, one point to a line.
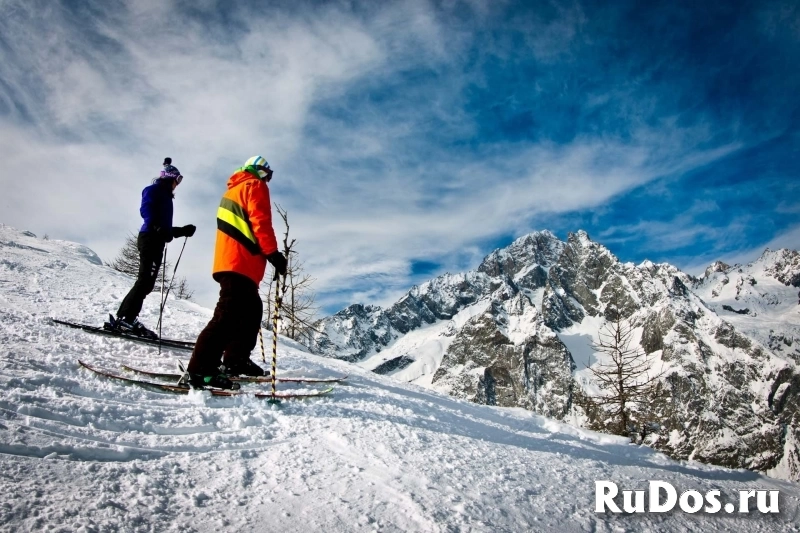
157	230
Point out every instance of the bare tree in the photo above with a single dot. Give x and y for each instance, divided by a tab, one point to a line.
127	262
300	300
296	295
182	290
631	388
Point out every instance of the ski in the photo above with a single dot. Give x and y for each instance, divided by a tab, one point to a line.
151	384
179	389
270	396
169	343
241	379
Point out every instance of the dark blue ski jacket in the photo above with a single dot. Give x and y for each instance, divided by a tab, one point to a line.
156	207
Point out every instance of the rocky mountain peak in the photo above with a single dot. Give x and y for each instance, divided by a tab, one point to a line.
580	237
540	248
716	266
783	265
500	335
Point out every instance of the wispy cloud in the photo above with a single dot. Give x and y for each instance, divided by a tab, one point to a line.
789	239
400	132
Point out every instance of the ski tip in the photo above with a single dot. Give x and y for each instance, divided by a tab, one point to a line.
87	365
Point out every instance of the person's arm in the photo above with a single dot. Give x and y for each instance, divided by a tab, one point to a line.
259	211
146	209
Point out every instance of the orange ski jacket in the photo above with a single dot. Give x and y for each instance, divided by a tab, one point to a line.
244	227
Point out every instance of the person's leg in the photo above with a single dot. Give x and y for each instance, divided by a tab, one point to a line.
151	250
233	309
237	351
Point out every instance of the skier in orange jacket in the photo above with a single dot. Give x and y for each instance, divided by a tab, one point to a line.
245	242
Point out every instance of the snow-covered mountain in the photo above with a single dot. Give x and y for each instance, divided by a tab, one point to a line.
79	452
759	299
518	332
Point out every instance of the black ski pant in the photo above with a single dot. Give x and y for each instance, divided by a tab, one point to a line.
151	251
232	333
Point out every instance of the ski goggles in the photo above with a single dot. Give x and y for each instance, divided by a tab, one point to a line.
264	172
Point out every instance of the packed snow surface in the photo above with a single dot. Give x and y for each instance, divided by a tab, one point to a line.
79	452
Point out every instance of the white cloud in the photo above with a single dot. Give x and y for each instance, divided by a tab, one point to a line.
790	238
367	188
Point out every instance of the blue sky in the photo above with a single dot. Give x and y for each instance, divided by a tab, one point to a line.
410	138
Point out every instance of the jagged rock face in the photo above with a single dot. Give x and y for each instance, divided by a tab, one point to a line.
732	436
359	330
655	327
580	271
352	332
785	267
784	402
560	311
586	275
438	299
716	266
398	363
484	364
540	249
733	382
718	380
755	397
616	301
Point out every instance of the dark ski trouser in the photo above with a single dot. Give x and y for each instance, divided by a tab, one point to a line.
151	250
232	333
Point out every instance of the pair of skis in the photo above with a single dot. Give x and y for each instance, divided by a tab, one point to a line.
185	389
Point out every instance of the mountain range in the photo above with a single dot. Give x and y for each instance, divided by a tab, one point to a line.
520	331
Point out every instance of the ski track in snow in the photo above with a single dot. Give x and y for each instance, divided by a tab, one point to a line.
79	452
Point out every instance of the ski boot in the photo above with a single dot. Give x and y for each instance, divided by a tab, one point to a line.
135	328
120	325
215	379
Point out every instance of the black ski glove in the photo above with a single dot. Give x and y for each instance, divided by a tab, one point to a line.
165	234
278	260
184	231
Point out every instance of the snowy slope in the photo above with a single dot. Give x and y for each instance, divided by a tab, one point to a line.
82	453
422	348
758	299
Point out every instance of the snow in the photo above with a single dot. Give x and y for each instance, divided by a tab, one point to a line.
79	452
579	339
771	305
426	345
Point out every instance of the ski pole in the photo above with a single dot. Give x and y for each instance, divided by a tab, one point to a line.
171	282
275	329
261	340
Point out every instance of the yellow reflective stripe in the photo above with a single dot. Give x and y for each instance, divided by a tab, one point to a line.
237	222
